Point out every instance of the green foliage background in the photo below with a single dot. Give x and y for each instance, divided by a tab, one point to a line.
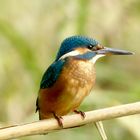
30	35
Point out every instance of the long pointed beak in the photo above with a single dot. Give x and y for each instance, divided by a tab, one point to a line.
112	51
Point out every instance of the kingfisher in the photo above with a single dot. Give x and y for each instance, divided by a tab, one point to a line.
71	77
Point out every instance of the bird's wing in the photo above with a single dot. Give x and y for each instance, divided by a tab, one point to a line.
50	77
51	74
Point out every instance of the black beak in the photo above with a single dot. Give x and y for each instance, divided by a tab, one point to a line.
112	51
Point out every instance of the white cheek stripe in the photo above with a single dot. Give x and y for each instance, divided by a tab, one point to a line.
93	60
72	53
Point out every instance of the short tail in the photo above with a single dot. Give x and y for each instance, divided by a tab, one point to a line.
37	105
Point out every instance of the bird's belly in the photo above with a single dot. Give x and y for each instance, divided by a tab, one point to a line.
66	100
68	92
71	97
76	92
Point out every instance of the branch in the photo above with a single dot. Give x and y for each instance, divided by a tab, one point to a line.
69	121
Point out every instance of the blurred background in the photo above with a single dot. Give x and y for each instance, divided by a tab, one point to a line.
30	36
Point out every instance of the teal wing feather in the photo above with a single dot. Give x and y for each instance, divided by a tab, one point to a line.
51	74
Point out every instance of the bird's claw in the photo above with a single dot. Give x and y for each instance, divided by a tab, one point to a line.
59	119
83	115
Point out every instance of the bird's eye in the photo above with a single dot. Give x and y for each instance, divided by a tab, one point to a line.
90	47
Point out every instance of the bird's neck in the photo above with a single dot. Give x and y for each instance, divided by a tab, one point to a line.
81	69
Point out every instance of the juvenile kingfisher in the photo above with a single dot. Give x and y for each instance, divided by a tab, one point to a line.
70	78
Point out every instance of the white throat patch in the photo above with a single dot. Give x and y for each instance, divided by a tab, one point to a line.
94	59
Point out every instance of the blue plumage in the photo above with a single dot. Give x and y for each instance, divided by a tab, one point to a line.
86	56
51	74
69	44
73	42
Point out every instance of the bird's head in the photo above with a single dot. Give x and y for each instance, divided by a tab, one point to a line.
86	48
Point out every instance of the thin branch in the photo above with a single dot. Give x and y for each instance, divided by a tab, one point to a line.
100	128
69	121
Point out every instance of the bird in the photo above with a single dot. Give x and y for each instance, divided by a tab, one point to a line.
71	77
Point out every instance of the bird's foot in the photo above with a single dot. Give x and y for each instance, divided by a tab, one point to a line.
59	119
83	115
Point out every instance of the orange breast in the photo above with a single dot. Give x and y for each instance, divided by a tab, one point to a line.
75	82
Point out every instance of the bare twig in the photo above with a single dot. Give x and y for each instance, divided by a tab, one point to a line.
69	121
100	128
